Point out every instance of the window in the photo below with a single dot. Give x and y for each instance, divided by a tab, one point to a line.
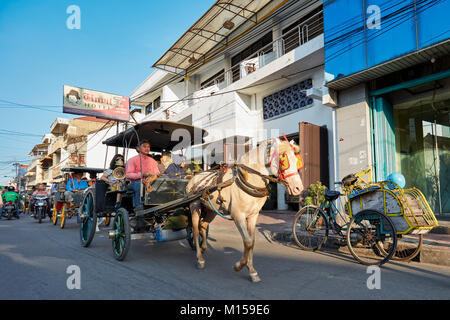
217	78
247	52
304	29
152	106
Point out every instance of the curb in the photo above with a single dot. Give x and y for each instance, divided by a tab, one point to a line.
429	253
441	230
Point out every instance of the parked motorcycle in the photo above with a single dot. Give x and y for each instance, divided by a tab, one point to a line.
40	207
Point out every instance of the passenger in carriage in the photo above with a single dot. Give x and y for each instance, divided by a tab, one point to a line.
76	185
161	167
108	177
176	169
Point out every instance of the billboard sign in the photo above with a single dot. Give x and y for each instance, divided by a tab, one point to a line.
94	103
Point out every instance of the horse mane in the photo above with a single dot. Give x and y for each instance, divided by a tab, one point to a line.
285	146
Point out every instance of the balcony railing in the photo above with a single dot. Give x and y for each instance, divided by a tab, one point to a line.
292	39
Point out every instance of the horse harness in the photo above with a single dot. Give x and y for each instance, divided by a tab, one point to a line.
215	183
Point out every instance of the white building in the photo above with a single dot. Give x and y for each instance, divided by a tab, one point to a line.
248	70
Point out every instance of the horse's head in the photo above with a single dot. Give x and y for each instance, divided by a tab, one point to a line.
285	163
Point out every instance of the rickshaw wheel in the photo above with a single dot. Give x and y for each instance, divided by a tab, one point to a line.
88	218
122	234
405	251
370	227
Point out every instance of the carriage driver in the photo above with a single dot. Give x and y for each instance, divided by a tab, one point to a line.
133	171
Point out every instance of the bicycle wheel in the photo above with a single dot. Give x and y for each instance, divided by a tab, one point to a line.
310	228
408	247
365	231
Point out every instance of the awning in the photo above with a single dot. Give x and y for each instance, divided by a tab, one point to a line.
46	158
411	59
211	30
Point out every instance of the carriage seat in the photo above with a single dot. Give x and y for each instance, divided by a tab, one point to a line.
331	195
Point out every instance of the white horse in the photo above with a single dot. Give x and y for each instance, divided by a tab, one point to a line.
244	195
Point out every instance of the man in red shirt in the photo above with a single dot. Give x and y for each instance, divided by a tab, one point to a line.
133	171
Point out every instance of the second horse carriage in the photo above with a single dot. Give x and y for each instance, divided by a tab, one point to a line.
62	208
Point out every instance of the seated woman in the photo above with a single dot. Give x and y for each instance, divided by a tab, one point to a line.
110	181
176	168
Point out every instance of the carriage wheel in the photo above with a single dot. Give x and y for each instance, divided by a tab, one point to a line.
88	218
107	219
407	248
54	215
63	216
366	229
190	237
310	228
121	234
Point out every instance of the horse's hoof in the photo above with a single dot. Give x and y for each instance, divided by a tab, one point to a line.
201	265
236	268
255	278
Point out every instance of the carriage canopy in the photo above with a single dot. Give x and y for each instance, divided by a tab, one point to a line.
163	135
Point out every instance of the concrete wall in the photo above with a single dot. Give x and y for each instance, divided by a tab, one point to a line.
353	131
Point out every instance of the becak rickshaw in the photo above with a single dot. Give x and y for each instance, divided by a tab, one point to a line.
165	212
63	207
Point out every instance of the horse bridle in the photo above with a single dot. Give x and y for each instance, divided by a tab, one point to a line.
281	176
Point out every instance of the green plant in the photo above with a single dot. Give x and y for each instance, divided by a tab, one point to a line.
316	194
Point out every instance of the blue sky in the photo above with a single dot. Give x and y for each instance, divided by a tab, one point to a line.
113	52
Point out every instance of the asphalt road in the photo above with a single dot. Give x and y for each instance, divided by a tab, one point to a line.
34	259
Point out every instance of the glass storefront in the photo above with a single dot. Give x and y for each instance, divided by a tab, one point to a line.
422	134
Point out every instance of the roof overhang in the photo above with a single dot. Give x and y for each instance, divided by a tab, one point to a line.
59	126
142	94
408	60
210	31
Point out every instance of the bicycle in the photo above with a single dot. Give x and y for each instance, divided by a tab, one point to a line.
370	236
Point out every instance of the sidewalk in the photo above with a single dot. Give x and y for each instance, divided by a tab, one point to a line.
277	226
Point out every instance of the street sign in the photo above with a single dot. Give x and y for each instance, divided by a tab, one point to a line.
95	103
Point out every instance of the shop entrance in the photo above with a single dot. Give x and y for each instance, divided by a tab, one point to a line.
422	133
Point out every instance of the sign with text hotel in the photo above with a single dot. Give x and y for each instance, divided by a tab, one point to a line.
94	103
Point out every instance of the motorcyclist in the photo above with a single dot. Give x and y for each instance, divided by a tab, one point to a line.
41	192
13	196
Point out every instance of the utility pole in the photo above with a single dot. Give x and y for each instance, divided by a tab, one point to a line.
16	164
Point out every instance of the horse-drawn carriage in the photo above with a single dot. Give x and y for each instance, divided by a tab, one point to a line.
182	208
62	208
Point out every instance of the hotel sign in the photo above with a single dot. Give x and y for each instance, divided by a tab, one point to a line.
94	103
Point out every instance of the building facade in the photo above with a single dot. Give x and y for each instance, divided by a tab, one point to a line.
388	71
65	146
245	73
